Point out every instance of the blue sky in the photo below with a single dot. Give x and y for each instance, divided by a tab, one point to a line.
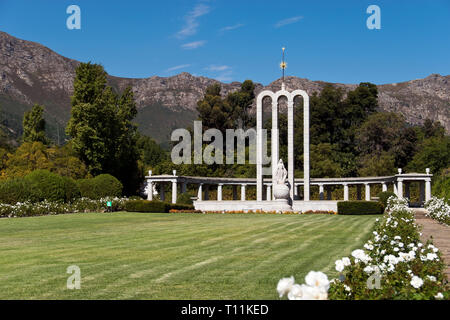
234	40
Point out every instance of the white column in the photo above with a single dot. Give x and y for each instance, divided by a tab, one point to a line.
200	192
274	139
400	188
427	189
306	146
259	147
321	195
269	192
384	187
234	192
161	193
395	188
219	192
290	129
367	192
150	190
243	192
345	192
174	191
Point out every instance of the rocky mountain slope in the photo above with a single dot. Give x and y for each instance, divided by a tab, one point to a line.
32	73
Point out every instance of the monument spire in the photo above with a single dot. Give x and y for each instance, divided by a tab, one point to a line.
283	67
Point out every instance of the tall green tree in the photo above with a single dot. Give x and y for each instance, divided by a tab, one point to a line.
101	127
34	125
213	111
241	103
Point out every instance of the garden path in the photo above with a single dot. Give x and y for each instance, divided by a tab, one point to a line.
439	232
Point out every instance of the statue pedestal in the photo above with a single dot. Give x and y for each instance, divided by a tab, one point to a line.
281	194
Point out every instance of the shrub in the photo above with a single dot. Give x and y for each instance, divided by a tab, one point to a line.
146	206
360	207
405	267
71	190
14	190
104	185
44	185
384	196
439	210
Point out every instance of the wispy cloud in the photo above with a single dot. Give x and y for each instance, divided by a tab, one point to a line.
215	68
225	76
181	66
287	21
191	24
193	45
220	72
229	28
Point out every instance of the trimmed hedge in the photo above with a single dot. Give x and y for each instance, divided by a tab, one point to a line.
71	190
384	196
154	206
104	185
44	185
14	190
145	206
359	207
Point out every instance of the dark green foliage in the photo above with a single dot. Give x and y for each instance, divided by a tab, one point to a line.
184	198
241	102
14	190
434	153
359	207
441	186
45	185
71	189
101	186
34	125
151	153
384	196
146	206
213	111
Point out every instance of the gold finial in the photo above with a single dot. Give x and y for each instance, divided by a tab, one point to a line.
283	66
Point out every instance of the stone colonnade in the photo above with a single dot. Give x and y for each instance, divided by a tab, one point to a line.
400	182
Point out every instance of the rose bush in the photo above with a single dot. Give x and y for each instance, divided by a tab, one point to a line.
394	264
439	210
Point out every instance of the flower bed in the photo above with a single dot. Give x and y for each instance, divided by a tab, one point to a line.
29	209
394	264
438	210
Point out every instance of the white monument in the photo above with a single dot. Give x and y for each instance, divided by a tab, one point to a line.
275	96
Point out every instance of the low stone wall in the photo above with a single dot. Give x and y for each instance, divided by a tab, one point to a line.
251	205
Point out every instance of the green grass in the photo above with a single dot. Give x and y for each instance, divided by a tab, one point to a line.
170	256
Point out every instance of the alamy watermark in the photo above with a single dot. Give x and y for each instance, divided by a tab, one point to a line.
74	20
216	151
374	20
74	280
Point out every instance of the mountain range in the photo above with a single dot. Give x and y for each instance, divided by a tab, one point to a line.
32	73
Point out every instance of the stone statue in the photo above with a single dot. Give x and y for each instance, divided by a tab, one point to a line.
280	189
281	174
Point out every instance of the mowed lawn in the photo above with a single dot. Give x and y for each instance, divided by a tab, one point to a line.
170	256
